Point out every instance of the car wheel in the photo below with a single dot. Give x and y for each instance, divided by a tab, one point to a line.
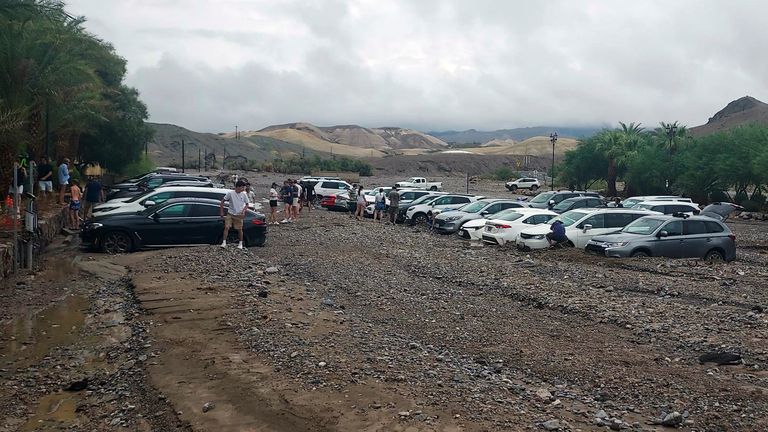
419	218
512	188
116	242
714	256
533	188
639	254
433	188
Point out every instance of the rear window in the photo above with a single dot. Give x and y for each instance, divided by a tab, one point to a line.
714	227
542	197
459	200
695	227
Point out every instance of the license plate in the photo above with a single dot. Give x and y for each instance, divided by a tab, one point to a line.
488	229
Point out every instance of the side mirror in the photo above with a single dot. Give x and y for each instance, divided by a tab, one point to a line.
662	234
587	227
156	216
484	213
551	202
149	203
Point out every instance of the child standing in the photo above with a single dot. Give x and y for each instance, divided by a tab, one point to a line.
74	205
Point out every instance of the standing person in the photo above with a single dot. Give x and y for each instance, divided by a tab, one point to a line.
360	211
251	195
45	177
296	199
21	178
309	193
379	203
287	193
63	179
617	202
394	202
273	197
94	194
74	205
237	207
352	203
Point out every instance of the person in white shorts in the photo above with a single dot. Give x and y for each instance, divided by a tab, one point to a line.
296	199
45	176
237	204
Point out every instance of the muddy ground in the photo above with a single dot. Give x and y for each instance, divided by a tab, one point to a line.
337	325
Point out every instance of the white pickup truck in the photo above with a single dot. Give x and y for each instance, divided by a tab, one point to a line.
419	183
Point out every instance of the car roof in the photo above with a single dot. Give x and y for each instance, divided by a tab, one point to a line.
652	197
668	202
189	188
616	210
533	210
695	218
190	199
578	198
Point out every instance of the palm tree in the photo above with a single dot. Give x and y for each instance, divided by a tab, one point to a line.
612	144
673	134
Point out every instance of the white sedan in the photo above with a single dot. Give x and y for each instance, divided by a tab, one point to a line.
504	227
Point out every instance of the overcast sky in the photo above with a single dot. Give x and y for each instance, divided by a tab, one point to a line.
209	65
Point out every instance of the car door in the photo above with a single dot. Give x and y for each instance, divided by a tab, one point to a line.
206	225
170	226
583	236
670	245
695	241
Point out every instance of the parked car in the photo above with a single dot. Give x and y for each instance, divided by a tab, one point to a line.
669	207
669	236
176	222
331	187
523	183
504	228
514	219
407	196
157	196
632	201
578	202
126	190
404	206
420	183
422	213
552	198
449	223
337	202
580	226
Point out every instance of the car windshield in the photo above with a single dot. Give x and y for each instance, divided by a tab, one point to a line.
643	226
644	206
542	197
508	215
473	207
423	199
629	202
569	218
562	205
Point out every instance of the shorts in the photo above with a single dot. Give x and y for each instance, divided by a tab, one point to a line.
234	221
273	203
45	185
12	191
295	202
380	206
288	201
74	205
392	210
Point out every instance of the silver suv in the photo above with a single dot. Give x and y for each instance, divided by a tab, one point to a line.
677	236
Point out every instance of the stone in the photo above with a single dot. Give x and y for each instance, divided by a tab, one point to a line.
672	419
601	414
208	406
404	414
271	270
543	394
551	425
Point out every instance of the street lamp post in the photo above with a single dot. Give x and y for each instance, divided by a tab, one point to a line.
671	130
236	135
553	139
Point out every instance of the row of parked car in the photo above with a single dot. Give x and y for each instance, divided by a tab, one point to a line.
670	226
161	209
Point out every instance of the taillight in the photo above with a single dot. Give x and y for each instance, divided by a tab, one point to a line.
502	226
257	222
732	237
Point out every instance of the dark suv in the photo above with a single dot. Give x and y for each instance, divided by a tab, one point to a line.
125	190
552	198
578	202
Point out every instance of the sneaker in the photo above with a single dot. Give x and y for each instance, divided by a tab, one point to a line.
284	221
224	244
240	245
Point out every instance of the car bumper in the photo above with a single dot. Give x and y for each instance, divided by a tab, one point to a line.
531	243
445	227
493	239
470	233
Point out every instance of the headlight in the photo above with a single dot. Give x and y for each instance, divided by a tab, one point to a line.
102	209
539	237
614	244
452	218
92	226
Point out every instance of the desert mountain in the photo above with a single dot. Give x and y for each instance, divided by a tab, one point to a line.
519	134
351	140
165	148
739	112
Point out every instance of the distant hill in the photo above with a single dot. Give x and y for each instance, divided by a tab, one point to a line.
519	134
350	140
165	148
741	111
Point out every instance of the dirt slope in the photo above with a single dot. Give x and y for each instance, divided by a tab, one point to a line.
741	111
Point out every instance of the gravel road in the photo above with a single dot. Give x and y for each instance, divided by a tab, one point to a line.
357	326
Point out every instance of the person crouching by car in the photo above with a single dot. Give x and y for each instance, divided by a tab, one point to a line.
237	205
557	233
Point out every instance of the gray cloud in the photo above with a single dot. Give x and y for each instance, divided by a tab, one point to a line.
435	64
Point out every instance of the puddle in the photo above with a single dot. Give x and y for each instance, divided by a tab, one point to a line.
26	340
54	412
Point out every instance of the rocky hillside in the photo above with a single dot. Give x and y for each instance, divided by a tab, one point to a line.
741	111
344	138
518	134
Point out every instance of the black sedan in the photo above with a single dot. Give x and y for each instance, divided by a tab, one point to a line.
125	190
176	222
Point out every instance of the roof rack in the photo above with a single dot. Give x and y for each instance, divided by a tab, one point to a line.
681	215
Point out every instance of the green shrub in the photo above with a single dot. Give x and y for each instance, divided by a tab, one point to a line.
752	206
144	164
503	174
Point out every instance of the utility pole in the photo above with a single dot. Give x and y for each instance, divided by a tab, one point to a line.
553	138
47	130
199	159
182	155
236	133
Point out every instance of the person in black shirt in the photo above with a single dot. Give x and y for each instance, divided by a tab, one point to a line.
45	177
94	194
